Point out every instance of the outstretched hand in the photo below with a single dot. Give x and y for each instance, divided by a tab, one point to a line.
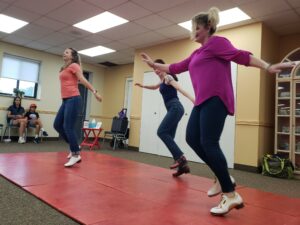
98	97
147	59
278	67
138	84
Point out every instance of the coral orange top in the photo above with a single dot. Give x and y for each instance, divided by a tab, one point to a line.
69	81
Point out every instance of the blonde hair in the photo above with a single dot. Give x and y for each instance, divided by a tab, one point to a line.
209	19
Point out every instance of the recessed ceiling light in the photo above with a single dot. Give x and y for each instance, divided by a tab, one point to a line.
100	22
9	24
95	51
229	16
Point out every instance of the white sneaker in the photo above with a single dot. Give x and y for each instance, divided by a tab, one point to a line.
73	160
216	188
69	156
227	204
21	140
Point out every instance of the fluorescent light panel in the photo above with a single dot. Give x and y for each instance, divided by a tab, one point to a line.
229	16
100	22
9	24
95	51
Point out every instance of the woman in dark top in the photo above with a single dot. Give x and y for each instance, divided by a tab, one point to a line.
168	88
15	117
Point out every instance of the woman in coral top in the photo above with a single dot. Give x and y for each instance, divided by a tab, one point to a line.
209	68
66	117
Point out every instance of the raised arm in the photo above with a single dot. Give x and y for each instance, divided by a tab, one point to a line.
151	87
162	67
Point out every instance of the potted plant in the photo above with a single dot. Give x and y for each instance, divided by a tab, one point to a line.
18	93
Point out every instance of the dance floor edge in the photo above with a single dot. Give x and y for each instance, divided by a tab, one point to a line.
105	190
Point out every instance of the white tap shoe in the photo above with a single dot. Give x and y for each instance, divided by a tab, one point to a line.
226	204
216	188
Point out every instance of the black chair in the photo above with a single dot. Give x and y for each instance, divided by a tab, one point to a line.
119	132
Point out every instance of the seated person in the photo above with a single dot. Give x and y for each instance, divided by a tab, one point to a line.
15	116
34	120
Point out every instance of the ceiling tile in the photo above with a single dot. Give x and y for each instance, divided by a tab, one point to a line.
184	12
2	34
40	7
128	51
153	22
78	45
50	23
292	28
241	2
130	11
159	6
97	39
74	12
56	50
264	7
38	46
56	39
294	3
284	18
75	32
123	31
107	4
173	31
33	31
21	14
14	39
143	39
3	5
116	45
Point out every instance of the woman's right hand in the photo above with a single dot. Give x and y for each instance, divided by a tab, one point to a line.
146	58
98	97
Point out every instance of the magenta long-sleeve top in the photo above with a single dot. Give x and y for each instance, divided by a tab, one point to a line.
210	71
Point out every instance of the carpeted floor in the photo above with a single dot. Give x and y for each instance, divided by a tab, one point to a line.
18	207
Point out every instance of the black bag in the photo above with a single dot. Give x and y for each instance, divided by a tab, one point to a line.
276	166
119	125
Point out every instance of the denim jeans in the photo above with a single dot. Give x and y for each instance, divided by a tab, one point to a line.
168	126
65	121
203	133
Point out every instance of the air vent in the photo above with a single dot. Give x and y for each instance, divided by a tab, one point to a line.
108	64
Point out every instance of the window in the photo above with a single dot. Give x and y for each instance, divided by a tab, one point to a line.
21	73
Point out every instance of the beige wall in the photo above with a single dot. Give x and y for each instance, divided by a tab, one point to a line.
114	92
49	88
288	44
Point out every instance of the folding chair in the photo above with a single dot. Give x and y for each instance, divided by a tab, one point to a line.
9	127
119	131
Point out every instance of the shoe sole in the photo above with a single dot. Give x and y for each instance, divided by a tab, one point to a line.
74	163
186	170
234	185
238	206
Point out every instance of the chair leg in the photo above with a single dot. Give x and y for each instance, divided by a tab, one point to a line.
115	141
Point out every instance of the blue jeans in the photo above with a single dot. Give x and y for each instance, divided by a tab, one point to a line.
203	133
168	126
65	121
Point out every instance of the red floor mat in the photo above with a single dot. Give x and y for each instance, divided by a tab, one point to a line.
103	190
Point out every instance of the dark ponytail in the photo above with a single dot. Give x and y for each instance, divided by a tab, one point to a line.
163	62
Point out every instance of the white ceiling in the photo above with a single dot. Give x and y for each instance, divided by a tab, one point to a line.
151	22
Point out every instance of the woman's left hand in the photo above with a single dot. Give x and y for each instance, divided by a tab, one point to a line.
278	67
